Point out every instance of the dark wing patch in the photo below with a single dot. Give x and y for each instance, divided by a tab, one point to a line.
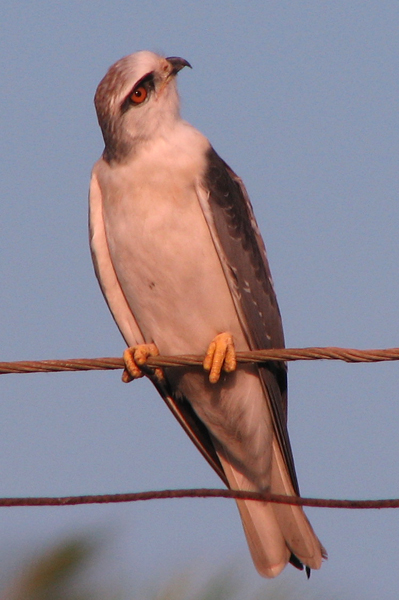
192	425
251	285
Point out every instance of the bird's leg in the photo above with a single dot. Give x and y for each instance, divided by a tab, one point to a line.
135	359
220	355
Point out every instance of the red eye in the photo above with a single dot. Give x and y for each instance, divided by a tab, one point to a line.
139	94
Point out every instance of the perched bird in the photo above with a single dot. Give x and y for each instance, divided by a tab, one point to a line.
183	268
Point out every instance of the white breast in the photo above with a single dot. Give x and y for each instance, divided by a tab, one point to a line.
161	247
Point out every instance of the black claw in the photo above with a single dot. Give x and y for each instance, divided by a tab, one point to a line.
294	560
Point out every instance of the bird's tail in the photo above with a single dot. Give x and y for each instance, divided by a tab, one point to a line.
275	531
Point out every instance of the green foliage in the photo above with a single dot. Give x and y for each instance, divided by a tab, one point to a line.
52	575
61	573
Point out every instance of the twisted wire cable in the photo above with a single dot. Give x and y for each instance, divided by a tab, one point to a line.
256	356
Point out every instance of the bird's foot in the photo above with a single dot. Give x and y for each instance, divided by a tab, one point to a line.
135	359
220	355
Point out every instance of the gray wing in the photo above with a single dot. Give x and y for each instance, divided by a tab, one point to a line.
236	236
192	425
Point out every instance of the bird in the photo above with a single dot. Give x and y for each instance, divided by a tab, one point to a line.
182	266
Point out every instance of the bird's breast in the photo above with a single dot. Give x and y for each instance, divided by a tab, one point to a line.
163	254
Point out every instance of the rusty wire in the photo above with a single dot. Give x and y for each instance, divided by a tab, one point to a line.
257	356
200	493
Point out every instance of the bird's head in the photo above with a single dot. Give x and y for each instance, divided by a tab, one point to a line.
137	100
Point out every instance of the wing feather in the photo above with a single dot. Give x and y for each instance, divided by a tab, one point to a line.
242	254
236	236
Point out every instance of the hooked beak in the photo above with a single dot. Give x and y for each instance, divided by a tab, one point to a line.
177	64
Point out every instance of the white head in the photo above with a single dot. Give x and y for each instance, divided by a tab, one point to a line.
136	100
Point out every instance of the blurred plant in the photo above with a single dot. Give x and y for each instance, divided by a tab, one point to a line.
57	574
62	573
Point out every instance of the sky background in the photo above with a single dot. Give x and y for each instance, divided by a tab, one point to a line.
301	100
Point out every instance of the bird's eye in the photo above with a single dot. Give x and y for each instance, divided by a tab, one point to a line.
139	94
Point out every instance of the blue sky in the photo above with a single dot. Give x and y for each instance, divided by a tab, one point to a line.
301	99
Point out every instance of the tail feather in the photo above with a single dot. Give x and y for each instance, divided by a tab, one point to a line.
296	529
264	537
274	531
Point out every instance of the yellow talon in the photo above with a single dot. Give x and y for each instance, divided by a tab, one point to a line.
220	355
136	357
